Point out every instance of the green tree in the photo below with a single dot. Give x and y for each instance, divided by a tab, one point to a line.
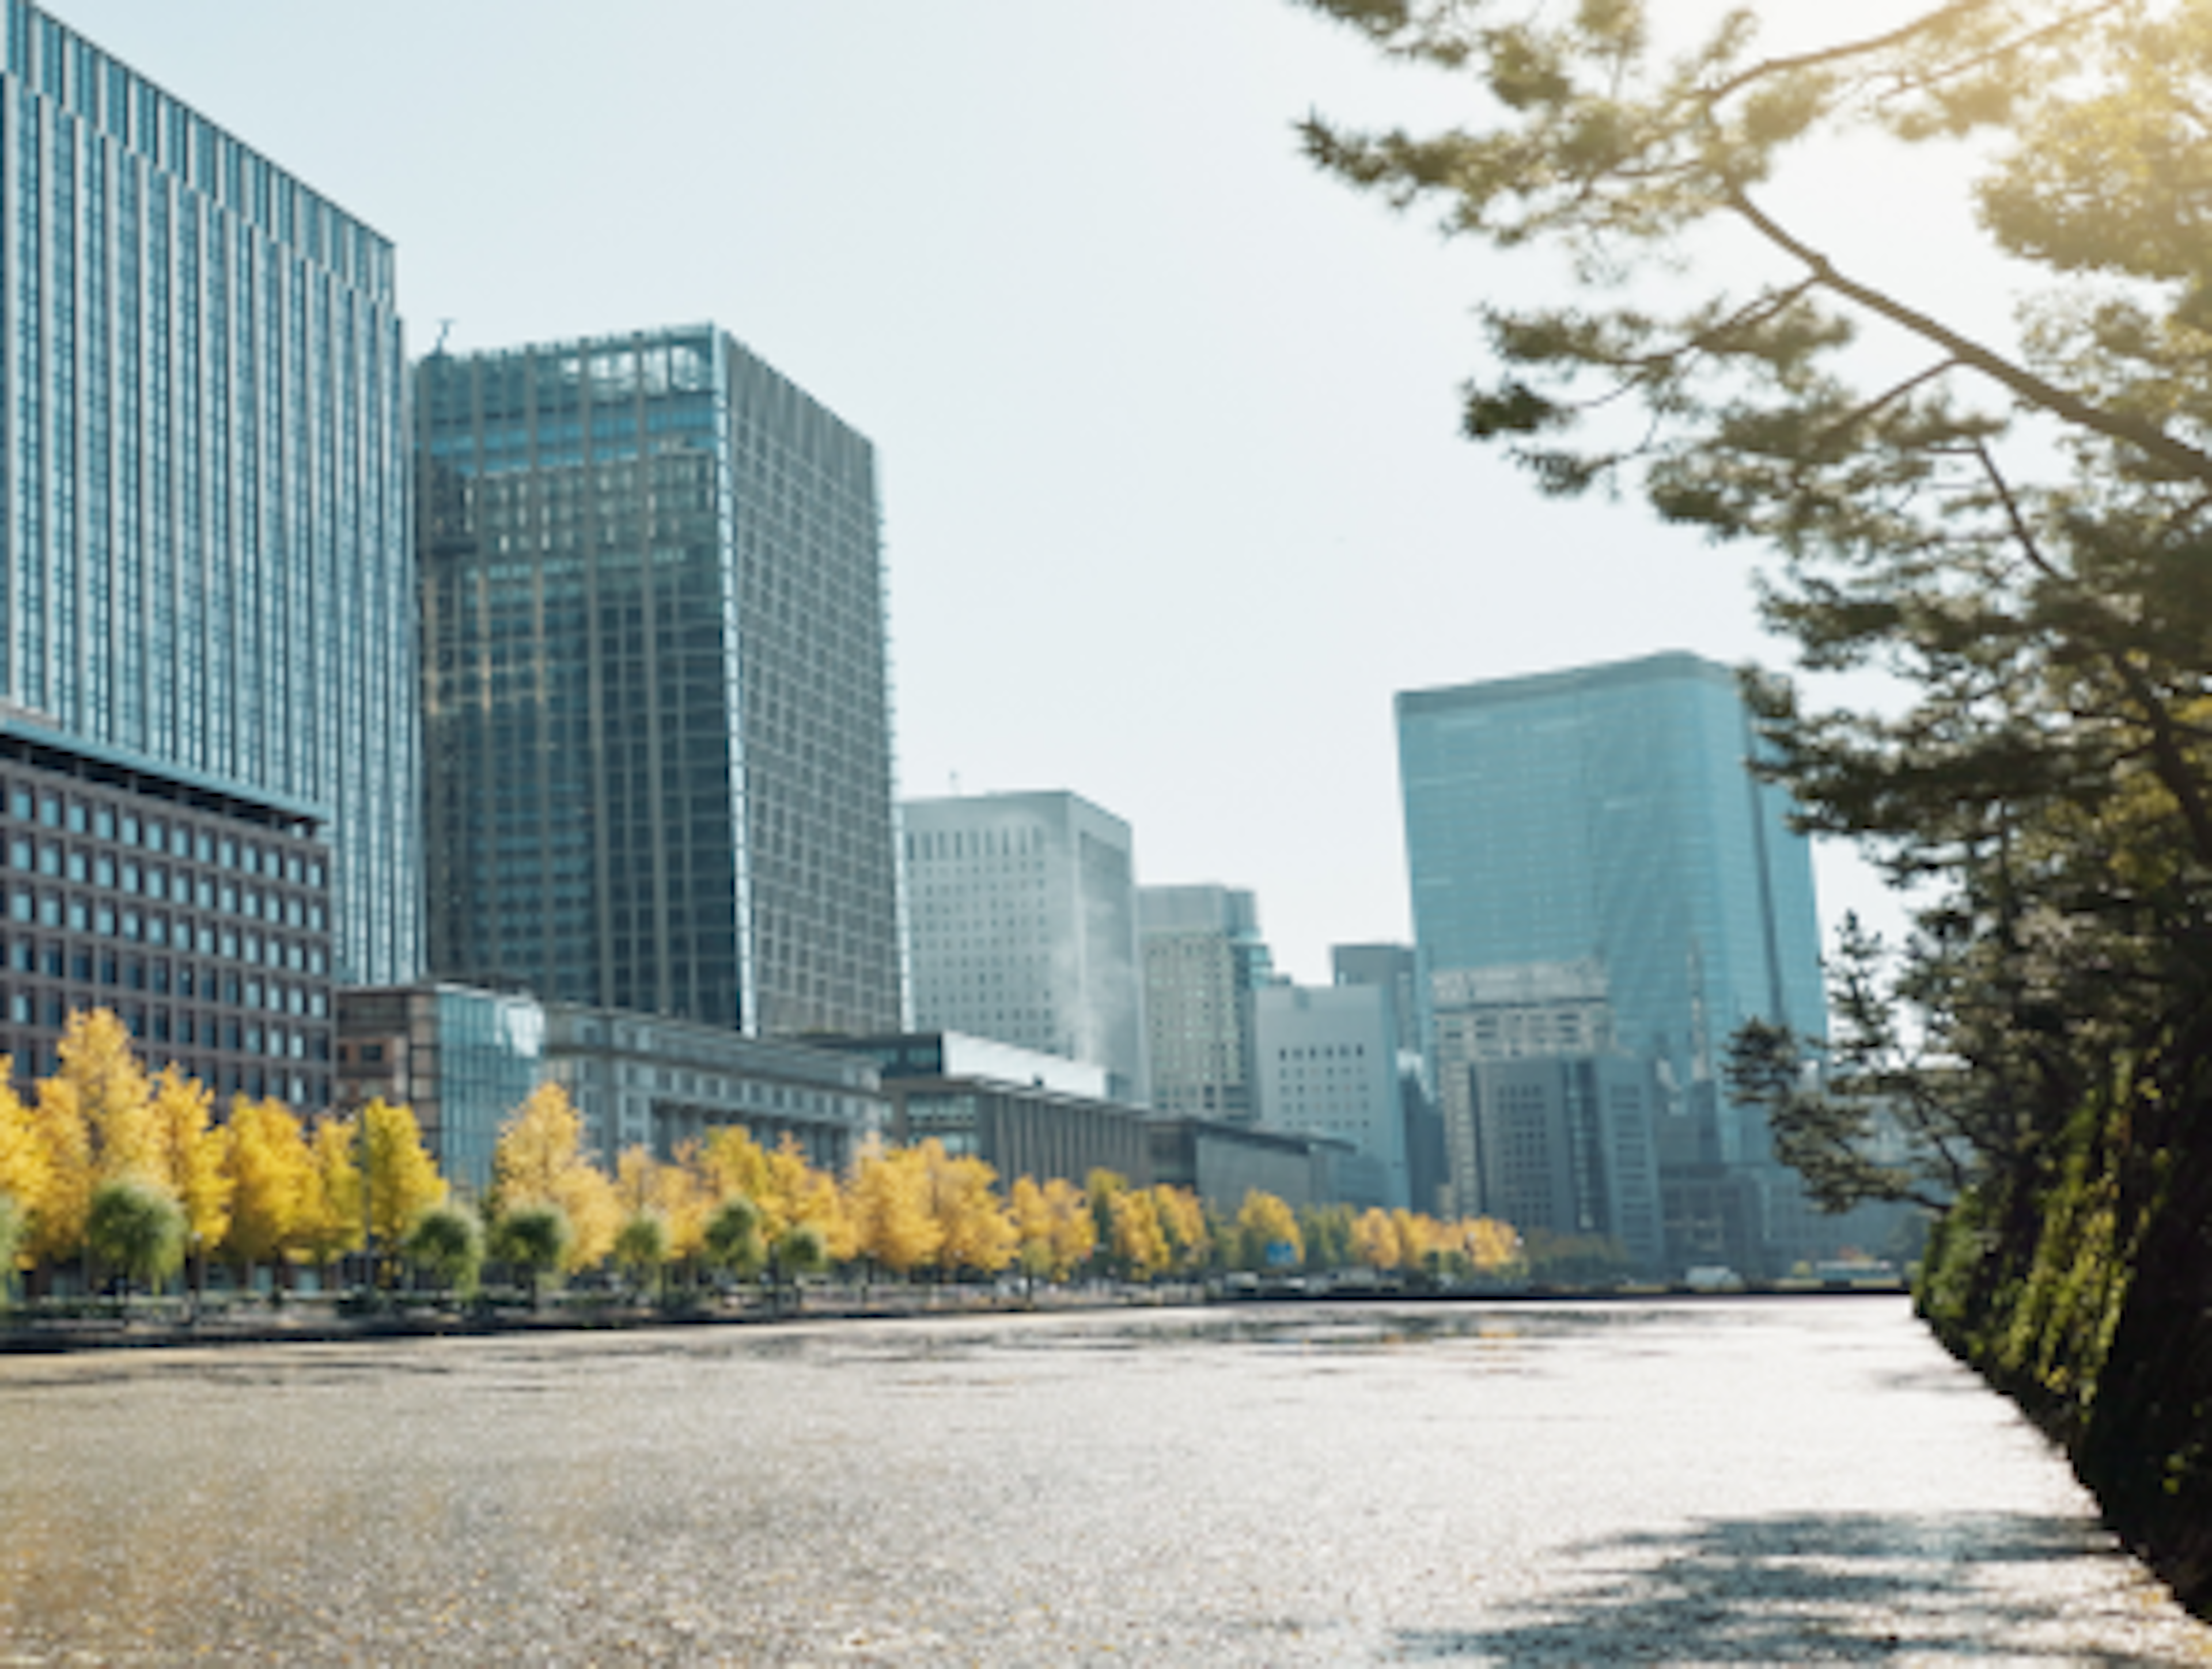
134	1229
733	1239
641	1248
14	1229
1868	1115
447	1242
532	1240
802	1249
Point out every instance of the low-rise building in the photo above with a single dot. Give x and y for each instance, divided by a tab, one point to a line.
464	1058
1022	1112
197	913
1223	1162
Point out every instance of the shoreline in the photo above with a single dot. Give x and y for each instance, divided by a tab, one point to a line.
319	1321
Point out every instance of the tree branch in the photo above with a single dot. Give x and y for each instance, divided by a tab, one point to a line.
2170	761
2155	443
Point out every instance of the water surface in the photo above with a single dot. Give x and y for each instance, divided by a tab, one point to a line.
1739	1481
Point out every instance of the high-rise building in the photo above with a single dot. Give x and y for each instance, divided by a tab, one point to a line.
1328	1066
1605	820
1395	970
1023	928
657	720
207	573
1203	958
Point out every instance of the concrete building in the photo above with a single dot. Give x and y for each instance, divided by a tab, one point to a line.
1395	970
644	1080
657	722
1605	818
1203	960
1329	1067
1223	1162
1564	1143
1391	968
1023	1114
464	1059
201	917
208	571
1023	927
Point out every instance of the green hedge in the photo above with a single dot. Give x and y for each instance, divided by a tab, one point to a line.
2082	1286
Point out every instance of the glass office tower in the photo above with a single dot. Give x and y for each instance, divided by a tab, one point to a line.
206	564
1604	818
657	723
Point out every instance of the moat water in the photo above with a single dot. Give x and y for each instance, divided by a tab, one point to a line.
1693	1481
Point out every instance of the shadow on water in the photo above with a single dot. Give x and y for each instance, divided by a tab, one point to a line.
1853	1587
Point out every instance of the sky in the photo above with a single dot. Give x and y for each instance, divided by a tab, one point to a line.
1165	421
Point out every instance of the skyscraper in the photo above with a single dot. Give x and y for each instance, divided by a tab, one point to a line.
1203	959
657	720
1604	819
1023	927
1395	970
206	573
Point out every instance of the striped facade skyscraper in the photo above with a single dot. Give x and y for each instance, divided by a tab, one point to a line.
206	573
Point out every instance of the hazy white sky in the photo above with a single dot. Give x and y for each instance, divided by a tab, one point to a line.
1165	421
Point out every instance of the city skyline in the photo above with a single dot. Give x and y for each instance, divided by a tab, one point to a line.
1205	411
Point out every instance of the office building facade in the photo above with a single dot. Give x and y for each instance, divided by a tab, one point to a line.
1203	961
465	1059
461	1059
1605	820
1329	1067
657	718
201	920
1022	1113
1394	970
207	571
1023	927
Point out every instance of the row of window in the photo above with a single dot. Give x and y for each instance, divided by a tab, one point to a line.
161	977
99	869
187	1028
29	906
52	809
